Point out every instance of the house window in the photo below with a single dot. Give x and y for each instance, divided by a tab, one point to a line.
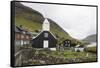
17	42
68	41
46	35
27	37
18	36
22	36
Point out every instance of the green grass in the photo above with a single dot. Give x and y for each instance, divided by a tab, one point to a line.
69	54
28	24
91	49
74	54
55	56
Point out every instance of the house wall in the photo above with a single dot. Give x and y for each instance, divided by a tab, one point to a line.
79	49
22	39
38	41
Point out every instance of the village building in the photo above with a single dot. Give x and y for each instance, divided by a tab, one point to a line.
45	39
79	48
22	36
67	43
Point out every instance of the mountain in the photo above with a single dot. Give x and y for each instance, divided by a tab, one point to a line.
90	38
29	18
57	30
32	20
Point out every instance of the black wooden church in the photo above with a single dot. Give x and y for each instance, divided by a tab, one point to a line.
45	39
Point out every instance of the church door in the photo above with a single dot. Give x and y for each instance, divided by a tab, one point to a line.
45	44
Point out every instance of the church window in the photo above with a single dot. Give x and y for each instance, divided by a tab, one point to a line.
46	35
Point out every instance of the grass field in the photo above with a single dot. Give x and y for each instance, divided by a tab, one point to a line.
91	49
31	56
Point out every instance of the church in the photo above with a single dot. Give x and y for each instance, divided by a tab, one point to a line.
45	39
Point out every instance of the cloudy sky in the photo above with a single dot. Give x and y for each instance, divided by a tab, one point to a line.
78	21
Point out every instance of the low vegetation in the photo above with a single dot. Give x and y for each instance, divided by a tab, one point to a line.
33	56
91	49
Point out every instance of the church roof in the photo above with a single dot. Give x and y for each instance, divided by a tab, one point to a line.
43	31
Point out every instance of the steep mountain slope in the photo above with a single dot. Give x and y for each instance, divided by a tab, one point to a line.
58	31
32	20
91	38
29	18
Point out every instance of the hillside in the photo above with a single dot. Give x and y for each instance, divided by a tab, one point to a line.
90	38
29	18
32	21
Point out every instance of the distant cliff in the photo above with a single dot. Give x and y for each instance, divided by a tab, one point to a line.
91	38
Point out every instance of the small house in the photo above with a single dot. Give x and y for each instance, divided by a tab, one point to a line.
79	48
22	36
67	43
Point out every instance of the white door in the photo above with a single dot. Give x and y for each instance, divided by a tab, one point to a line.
21	42
45	44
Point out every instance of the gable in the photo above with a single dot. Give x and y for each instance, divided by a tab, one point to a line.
45	34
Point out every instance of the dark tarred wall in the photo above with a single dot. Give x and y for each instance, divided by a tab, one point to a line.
38	41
